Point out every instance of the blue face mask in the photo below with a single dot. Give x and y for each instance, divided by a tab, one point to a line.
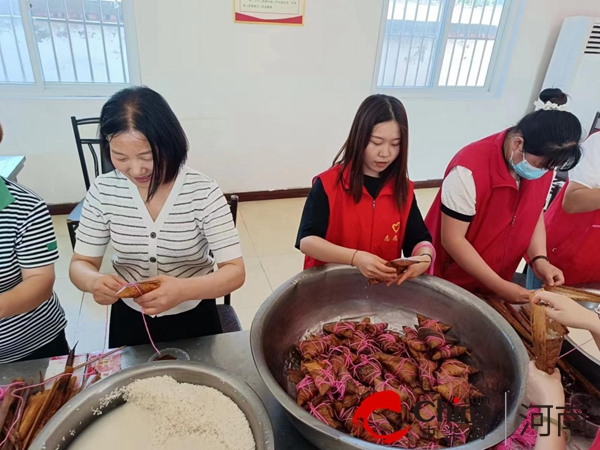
526	170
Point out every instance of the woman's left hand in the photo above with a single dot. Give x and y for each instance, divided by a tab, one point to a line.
549	274
413	271
167	296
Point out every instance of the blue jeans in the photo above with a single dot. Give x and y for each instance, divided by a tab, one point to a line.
533	282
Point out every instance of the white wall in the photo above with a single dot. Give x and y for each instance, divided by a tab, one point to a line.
267	107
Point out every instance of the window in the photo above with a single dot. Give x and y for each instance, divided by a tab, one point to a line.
65	42
441	43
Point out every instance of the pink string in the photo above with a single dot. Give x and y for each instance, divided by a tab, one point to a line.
366	361
524	436
317	414
345	354
426	372
343	326
340	385
433	325
106	322
325	376
318	342
389	343
435	339
453	433
577	347
412	397
21	405
146	323
364	344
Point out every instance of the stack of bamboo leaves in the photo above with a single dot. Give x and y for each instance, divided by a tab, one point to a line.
542	337
22	420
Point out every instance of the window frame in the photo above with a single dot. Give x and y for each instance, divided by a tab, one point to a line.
40	88
499	61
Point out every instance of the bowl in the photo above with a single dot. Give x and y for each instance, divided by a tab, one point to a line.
330	293
77	414
170	354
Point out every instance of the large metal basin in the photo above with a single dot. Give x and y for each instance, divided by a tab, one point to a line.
77	413
332	292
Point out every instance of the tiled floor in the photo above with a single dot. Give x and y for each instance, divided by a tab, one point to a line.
267	232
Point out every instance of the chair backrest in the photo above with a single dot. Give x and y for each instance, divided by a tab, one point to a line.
595	124
93	145
233	204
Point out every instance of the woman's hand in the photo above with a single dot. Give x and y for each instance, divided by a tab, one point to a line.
372	266
167	296
106	287
544	389
413	271
549	274
566	311
513	293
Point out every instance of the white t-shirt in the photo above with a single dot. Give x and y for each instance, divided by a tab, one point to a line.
587	172
193	230
459	197
459	194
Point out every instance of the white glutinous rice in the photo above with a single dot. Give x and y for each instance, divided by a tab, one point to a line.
161	413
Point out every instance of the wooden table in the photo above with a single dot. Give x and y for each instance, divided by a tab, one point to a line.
10	166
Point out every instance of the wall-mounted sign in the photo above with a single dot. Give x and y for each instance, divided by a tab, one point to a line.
278	12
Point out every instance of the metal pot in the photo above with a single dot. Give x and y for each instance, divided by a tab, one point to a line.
330	293
77	414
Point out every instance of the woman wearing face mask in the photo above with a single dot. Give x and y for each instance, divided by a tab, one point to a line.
489	212
165	221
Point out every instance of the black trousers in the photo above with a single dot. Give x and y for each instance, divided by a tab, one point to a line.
127	326
56	347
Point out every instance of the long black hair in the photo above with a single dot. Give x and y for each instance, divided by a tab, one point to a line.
374	110
551	134
146	111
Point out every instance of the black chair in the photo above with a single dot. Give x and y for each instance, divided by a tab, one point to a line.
105	165
227	316
595	123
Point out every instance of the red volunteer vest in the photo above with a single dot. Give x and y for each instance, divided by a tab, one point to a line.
374	226
573	242
506	215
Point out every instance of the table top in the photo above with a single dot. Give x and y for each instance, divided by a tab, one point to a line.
229	351
10	166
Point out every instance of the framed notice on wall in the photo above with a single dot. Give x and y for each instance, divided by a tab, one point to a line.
274	12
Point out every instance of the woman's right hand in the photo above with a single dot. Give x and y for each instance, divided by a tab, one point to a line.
106	287
372	266
566	311
513	293
544	389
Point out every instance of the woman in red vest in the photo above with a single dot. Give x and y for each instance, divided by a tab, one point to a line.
573	220
489	213
362	211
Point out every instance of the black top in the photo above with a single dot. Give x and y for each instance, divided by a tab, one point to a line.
315	217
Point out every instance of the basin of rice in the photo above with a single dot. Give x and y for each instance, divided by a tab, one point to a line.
160	413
